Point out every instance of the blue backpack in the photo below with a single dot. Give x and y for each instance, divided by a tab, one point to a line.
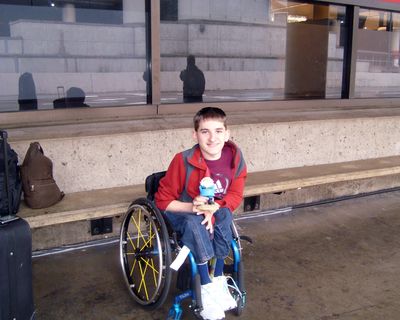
10	178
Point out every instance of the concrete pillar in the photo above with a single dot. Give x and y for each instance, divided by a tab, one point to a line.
133	11
395	47
69	13
307	57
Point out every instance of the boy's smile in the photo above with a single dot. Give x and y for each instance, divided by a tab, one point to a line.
211	137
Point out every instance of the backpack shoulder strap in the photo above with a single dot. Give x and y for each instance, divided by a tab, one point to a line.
34	149
188	171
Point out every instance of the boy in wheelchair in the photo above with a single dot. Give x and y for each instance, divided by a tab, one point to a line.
206	231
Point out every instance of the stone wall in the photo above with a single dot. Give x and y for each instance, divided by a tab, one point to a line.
71	39
104	161
222	10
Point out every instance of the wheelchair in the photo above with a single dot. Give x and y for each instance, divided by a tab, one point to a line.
147	245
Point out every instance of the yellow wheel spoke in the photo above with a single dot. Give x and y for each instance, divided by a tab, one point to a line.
150	235
154	272
137	224
130	240
146	242
133	267
150	265
142	281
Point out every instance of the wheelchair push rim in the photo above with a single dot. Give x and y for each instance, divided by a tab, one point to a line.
145	254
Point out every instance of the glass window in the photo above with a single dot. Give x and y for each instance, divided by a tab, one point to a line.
66	54
248	51
378	43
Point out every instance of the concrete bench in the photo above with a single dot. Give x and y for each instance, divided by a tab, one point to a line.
112	202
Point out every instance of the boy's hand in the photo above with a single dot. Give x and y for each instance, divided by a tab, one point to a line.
198	201
201	204
207	220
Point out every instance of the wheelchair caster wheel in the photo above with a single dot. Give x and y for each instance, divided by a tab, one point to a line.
175	313
240	304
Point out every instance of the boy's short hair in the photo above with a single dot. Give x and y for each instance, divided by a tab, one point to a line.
209	113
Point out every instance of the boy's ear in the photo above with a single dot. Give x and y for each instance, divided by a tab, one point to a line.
227	135
194	136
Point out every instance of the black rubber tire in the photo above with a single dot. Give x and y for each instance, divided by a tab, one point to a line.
197	291
145	245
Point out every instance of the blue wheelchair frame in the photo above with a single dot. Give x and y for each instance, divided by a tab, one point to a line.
159	248
176	310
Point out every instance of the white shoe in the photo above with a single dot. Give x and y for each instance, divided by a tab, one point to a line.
211	309
225	299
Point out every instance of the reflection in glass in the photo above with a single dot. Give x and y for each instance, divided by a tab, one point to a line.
94	47
251	51
27	92
75	98
377	69
193	81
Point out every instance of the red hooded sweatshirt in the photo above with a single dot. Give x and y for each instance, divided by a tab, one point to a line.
187	168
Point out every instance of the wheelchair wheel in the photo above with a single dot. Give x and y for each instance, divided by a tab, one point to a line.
145	254
233	267
233	262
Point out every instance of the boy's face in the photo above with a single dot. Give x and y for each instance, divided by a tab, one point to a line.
211	137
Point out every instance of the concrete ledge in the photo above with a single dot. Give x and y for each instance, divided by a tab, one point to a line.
307	176
83	205
111	202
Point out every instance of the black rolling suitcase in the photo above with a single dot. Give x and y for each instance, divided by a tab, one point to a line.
16	294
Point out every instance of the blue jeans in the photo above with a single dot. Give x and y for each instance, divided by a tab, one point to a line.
197	238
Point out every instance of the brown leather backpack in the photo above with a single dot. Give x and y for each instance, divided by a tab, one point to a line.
38	184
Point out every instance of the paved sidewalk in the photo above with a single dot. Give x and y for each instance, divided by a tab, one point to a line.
334	261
